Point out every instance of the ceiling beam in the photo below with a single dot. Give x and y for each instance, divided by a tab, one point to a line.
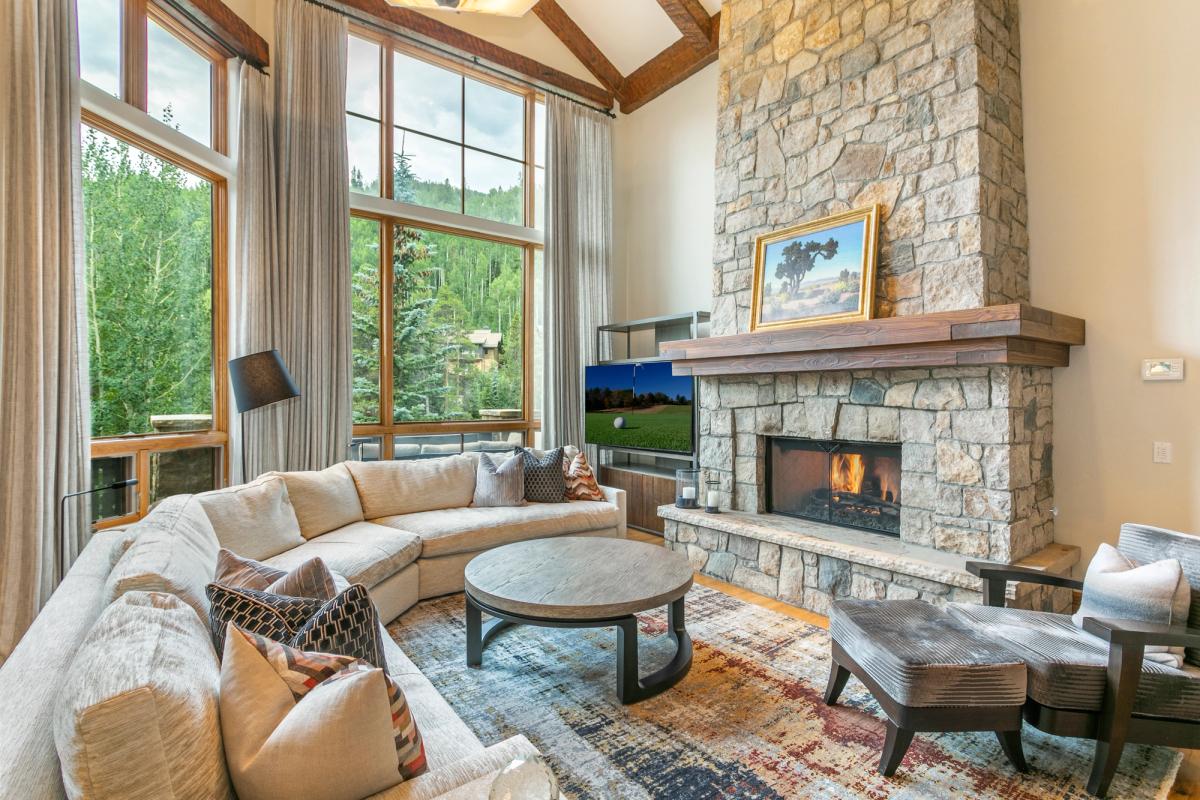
692	20
571	35
669	68
218	22
494	54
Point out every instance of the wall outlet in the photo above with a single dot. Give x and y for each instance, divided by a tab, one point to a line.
1162	369
1162	452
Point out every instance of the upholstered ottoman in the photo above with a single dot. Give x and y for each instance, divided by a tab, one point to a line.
928	671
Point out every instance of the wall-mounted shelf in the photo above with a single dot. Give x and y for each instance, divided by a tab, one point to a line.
666	328
1014	334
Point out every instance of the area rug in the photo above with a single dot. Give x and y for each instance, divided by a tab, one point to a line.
747	722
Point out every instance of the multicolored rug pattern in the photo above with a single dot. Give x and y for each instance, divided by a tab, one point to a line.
747	722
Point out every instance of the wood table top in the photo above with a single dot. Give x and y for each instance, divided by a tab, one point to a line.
578	577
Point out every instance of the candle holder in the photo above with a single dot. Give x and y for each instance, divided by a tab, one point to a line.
712	497
687	488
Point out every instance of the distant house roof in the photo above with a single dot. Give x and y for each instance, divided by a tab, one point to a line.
488	340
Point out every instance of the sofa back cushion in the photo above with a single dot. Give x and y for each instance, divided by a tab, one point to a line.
1144	544
138	712
323	500
174	550
387	488
255	519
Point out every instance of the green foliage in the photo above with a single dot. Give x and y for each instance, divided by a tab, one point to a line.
148	251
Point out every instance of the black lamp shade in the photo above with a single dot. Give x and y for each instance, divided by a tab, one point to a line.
260	379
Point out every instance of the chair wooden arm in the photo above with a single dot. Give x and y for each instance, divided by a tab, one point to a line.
996	577
1132	633
1127	642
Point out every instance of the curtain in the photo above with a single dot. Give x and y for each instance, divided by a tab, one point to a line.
44	423
309	294
256	283
578	259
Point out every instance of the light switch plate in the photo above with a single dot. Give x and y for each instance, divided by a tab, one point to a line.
1162	369
1162	452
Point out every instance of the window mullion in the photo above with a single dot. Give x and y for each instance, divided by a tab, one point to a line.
133	53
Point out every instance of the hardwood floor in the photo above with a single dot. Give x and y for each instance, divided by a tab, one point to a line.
1187	783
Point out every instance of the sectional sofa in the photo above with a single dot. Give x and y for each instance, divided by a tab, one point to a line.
404	529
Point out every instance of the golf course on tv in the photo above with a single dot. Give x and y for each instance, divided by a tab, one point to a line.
661	427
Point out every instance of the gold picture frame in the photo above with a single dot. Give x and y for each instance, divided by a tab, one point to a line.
792	255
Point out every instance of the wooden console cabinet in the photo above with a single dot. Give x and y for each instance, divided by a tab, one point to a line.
644	493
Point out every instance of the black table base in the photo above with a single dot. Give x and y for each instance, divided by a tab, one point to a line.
630	687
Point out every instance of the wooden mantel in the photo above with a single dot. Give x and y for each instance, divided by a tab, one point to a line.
1014	334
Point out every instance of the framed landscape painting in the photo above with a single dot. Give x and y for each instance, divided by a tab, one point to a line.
820	271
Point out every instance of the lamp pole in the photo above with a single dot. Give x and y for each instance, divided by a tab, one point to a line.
61	522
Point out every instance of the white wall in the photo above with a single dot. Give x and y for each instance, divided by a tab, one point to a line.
663	201
1112	149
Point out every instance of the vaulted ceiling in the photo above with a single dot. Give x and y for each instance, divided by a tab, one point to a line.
621	52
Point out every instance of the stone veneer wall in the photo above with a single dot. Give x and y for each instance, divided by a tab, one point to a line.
975	445
827	105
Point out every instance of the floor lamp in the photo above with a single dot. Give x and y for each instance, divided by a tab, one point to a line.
64	553
259	379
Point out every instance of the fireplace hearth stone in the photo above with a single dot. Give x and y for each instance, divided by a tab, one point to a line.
810	564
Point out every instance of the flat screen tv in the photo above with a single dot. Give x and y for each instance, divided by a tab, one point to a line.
640	407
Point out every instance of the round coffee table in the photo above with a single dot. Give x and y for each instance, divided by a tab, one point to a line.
583	582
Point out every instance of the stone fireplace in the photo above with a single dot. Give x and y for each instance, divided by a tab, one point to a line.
824	106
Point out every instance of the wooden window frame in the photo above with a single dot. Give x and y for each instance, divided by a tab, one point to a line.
140	447
134	81
385	428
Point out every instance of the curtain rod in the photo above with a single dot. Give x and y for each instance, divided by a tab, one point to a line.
370	22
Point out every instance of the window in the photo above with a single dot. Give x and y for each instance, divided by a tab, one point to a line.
148	228
155	227
441	313
141	53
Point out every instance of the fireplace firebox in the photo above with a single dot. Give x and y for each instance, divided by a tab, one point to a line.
852	484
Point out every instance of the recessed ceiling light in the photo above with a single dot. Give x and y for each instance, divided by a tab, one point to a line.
504	8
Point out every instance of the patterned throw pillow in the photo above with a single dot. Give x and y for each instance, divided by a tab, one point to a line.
544	482
499	485
310	579
581	482
348	624
303	671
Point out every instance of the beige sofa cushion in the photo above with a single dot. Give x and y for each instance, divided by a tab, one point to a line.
466	530
466	779
137	715
322	499
387	488
175	551
337	742
255	519
363	552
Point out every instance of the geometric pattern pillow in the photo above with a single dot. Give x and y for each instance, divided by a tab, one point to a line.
310	579
580	480
302	671
544	482
346	625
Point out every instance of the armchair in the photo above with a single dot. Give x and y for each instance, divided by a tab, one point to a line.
1096	683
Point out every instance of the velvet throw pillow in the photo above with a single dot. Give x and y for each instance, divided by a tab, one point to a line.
580	480
544	482
500	485
298	723
1117	588
311	579
347	625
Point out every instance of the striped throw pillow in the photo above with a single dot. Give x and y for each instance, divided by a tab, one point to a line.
500	485
303	671
581	481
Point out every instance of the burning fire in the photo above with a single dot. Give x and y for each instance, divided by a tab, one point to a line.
846	472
